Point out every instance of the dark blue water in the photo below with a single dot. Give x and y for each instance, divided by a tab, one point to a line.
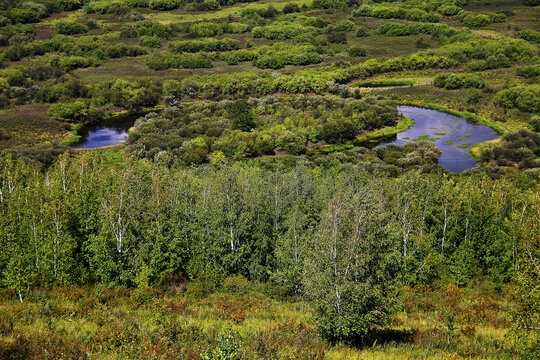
446	131
109	133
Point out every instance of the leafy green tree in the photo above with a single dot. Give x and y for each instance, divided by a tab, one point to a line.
350	268
241	115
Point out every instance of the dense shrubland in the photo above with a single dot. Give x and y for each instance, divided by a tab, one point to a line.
197	133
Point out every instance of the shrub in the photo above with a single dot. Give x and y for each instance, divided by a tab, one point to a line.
396	29
458	81
344	25
362	31
528	71
77	62
204	45
337	38
523	97
74	112
70	28
448	10
328	4
128	32
356	51
150	41
164	5
530	35
290	8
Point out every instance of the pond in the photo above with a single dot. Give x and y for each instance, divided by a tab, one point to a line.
106	133
452	134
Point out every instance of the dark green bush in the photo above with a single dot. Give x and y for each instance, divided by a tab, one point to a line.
329	4
182	61
164	5
290	8
451	81
396	29
528	71
204	45
523	97
150	41
530	35
128	32
70	28
356	51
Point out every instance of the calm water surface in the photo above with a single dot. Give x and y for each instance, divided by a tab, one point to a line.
452	134
108	133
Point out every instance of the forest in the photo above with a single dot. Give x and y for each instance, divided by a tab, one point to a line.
256	197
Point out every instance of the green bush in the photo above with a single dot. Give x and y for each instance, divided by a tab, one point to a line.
356	51
448	10
73	112
451	81
344	25
396	29
391	11
528	71
164	5
530	35
150	41
290	8
523	97
282	31
182	61
204	45
128	32
70	28
329	4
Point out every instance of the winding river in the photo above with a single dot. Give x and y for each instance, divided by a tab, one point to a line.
452	134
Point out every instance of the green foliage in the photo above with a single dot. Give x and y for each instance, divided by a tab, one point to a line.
241	115
356	51
227	347
395	29
523	97
150	41
164	5
452	81
516	147
70	28
530	35
394	11
204	45
282	31
328	4
75	112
